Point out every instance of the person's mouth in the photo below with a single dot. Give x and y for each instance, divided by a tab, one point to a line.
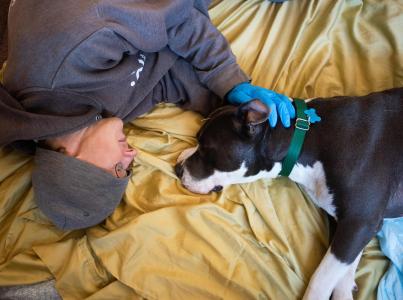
128	157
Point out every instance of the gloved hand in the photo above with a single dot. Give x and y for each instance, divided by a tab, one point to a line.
278	103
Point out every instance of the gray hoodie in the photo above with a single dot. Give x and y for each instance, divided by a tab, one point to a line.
70	61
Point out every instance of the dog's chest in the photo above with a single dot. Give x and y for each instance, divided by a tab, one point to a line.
313	180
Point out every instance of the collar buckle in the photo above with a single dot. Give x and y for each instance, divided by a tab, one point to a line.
302	124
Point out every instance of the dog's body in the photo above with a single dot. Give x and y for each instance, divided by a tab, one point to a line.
351	166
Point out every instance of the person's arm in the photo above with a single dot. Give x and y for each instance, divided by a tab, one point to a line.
199	42
184	26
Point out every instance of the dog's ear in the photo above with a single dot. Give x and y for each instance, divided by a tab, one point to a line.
252	113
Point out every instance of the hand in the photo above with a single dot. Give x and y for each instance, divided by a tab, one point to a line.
278	103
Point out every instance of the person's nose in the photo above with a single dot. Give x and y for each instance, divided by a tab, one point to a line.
120	123
117	123
179	170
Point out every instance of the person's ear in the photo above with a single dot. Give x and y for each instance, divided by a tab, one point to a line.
50	146
61	150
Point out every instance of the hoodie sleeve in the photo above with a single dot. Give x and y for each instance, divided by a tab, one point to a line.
144	23
184	27
198	41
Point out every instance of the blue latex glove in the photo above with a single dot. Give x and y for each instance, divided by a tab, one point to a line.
278	103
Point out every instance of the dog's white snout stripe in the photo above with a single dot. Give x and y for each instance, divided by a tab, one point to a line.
220	178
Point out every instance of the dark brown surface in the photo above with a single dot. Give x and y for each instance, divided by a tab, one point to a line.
3	29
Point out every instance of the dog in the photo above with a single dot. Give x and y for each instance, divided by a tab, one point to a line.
350	165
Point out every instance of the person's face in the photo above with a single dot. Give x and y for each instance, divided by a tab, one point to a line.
102	144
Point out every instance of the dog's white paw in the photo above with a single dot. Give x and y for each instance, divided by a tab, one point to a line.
310	294
342	295
344	288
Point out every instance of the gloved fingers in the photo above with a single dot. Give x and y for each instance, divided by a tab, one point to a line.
290	108
285	109
280	104
273	114
284	113
280	98
262	92
266	96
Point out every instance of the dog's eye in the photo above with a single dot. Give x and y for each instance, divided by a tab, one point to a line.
206	155
200	149
204	150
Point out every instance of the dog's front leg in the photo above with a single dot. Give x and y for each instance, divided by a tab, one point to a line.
325	278
346	285
343	255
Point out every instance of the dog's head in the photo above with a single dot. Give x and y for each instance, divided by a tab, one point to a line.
230	149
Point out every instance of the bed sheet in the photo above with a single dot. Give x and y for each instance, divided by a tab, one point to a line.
253	241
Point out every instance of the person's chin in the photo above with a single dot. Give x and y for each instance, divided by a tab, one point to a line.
128	158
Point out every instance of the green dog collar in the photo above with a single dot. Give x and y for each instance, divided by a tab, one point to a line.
302	125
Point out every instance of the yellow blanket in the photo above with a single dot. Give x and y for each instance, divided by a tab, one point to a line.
253	241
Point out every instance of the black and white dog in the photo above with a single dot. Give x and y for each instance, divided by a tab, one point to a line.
351	165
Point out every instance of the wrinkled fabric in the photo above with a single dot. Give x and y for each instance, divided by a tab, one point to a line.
253	241
391	243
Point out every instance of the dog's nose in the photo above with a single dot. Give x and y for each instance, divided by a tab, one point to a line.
217	188
179	170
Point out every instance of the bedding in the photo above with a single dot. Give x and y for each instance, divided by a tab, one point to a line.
252	241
